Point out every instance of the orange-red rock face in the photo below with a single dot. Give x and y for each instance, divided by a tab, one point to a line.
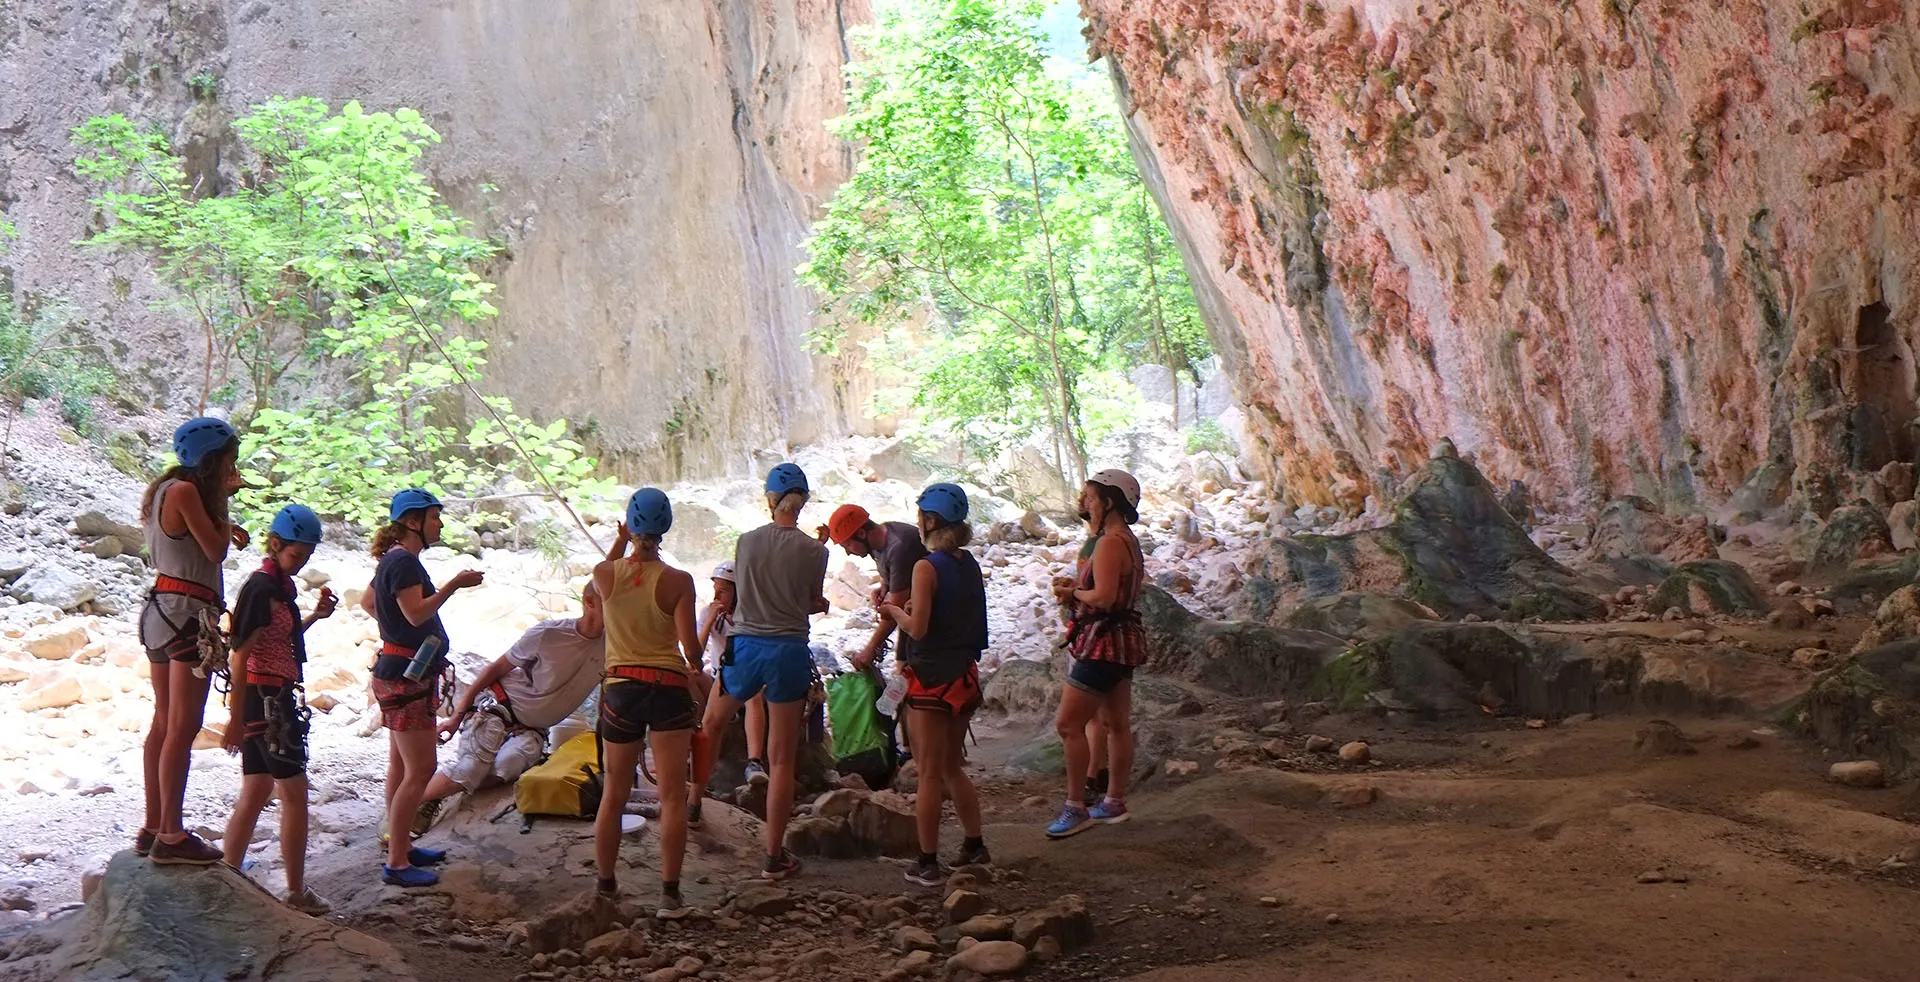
1607	246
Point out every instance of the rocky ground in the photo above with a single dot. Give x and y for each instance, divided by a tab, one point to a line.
1633	745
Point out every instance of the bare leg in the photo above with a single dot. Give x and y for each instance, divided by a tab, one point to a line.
621	759
966	798
1117	710
670	752
396	769
185	712
757	728
293	831
416	751
720	710
783	746
1076	708
156	739
1097	742
928	730
254	790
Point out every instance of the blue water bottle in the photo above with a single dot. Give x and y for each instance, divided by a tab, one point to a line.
424	658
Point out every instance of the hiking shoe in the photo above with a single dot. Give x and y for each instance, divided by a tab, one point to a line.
423	819
1073	820
607	886
927	874
1110	811
756	773
310	903
422	856
974	856
408	876
143	843
780	867
673	907
190	851
693	815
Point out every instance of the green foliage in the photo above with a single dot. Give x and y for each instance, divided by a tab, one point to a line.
1206	436
204	85
336	280
42	357
1000	197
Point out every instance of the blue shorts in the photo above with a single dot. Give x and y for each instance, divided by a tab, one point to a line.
782	667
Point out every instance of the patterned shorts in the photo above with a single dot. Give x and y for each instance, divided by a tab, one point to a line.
406	705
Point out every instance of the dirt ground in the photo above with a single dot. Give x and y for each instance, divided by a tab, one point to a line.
1489	850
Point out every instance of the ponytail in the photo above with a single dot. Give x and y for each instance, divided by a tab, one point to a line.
389	535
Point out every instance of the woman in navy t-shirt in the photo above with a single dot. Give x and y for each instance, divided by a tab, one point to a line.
403	600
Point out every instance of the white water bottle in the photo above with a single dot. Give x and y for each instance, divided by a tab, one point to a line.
889	701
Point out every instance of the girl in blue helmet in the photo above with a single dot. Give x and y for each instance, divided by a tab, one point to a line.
943	631
406	605
267	724
654	689
184	512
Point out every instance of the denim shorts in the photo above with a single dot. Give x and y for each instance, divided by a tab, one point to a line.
781	667
1098	677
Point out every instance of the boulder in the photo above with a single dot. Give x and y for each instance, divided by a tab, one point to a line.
1632	527
202	924
1037	482
880	823
1852	533
1437	668
1450	547
831	838
1518	503
1897	478
1765	489
13	563
1231	656
1065	920
1869	707
987	927
1897	618
697	534
54	641
895	462
1710	586
1858	774
1356	615
1659	738
990	958
571	925
962	906
1022	686
95	522
764	901
55	586
1902	519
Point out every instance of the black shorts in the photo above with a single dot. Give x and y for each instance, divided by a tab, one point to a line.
282	757
1098	677
629	708
184	645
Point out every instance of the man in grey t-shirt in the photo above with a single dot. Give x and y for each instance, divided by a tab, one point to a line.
779	578
504	715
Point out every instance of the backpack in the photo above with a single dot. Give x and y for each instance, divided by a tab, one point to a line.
863	738
567	783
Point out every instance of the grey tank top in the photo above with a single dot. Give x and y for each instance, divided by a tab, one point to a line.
180	557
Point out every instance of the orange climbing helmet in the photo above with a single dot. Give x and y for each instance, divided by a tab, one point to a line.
847	521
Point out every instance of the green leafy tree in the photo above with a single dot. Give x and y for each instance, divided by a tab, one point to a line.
999	195
330	285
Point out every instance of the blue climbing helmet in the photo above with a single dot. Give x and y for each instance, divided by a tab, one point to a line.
196	438
649	512
785	478
412	499
949	501
297	523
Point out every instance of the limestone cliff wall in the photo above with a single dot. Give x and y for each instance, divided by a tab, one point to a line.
652	168
1604	245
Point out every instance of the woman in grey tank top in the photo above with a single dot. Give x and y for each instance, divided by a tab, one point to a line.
188	533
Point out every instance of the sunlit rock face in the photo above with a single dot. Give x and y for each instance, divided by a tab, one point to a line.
650	168
1606	246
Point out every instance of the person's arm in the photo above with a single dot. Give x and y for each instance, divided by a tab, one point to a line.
690	647
185	504
707	621
322	608
820	603
918	615
494	672
1110	560
881	631
418	606
367	602
620	539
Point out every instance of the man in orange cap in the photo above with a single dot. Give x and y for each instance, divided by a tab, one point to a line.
894	547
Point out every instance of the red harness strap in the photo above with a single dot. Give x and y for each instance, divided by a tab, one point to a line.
656	676
389	648
162	583
260	678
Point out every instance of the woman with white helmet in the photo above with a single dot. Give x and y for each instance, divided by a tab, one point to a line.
1107	642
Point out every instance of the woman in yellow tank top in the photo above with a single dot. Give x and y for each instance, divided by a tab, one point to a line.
654	690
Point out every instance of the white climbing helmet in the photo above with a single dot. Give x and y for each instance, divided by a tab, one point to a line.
1122	481
724	571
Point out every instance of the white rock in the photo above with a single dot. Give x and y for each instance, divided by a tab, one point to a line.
55	641
56	586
